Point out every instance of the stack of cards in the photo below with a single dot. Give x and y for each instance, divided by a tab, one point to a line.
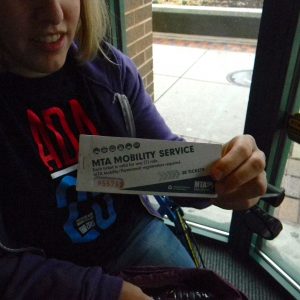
143	166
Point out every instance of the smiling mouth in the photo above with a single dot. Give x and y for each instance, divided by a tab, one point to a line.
51	42
51	38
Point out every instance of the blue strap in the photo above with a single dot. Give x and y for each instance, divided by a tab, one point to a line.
165	207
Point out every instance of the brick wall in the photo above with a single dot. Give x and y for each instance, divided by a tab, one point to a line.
138	18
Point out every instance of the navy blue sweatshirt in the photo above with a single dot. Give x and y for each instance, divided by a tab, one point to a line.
40	122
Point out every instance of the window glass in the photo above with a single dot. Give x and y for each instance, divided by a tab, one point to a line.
204	53
284	249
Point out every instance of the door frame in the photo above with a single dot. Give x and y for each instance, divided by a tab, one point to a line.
272	99
117	24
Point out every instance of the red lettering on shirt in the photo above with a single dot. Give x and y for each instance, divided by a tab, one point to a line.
56	138
81	118
43	142
55	113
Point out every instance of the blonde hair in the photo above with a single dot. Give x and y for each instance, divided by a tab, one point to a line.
92	28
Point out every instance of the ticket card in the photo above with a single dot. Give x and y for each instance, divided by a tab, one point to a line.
143	166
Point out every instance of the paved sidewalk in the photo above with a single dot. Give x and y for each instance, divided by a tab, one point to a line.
192	91
197	100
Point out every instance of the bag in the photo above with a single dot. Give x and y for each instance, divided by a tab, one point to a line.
166	283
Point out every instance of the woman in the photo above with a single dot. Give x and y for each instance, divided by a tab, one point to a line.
59	79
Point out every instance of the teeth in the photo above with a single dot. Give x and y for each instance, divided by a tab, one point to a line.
50	38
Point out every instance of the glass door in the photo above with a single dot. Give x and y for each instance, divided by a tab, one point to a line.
275	97
281	256
204	53
203	71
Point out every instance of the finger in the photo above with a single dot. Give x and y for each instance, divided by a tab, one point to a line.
246	172
130	291
234	154
245	196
